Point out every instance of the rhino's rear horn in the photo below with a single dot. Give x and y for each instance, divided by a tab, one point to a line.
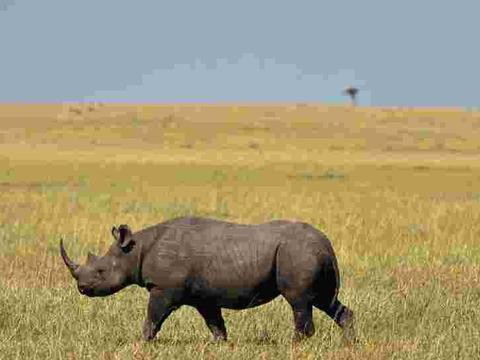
72	266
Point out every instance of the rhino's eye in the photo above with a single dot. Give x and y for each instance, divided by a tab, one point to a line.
101	271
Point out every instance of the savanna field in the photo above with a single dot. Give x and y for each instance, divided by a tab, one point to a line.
397	190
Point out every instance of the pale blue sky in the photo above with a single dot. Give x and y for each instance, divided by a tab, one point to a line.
409	52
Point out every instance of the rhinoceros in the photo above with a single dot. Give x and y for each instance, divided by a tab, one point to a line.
211	264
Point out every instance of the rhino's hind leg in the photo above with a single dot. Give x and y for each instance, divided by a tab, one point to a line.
302	316
343	317
212	315
294	278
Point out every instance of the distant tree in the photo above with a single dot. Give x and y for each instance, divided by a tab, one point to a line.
352	92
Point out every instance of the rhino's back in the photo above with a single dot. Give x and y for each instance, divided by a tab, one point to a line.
219	252
210	237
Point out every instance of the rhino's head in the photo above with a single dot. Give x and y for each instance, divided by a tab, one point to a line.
105	275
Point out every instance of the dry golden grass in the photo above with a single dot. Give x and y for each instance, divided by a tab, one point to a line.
397	190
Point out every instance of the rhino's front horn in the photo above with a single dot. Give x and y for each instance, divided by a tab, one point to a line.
72	266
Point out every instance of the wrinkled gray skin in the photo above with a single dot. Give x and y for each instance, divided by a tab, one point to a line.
211	264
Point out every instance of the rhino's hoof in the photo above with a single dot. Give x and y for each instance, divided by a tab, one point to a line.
147	331
219	337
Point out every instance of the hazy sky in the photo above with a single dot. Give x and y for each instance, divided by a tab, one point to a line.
409	52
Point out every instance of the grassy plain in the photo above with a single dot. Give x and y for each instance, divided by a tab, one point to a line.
397	190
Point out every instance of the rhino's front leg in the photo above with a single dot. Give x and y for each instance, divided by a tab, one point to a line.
160	305
212	315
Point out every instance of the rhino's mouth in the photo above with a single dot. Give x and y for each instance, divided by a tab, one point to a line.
93	292
85	291
97	292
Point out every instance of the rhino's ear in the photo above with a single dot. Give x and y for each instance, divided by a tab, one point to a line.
115	233
124	237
